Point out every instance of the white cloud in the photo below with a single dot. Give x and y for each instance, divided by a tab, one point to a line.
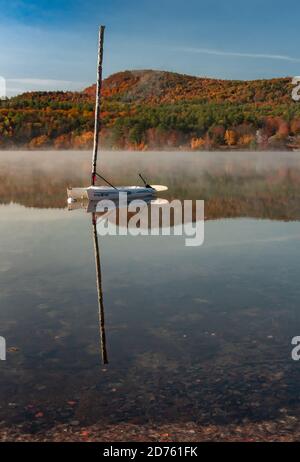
42	82
17	86
209	51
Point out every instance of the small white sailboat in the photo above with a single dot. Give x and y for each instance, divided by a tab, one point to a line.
133	192
97	193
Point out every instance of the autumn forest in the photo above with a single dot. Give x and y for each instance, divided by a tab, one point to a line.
146	110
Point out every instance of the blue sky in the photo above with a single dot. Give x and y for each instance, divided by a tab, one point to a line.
52	44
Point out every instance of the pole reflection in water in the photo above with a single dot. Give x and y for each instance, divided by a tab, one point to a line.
99	291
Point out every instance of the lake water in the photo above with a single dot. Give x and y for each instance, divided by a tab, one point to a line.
193	334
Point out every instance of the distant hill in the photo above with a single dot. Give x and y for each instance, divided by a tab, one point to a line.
157	110
157	87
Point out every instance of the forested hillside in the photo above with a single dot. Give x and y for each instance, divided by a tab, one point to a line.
157	110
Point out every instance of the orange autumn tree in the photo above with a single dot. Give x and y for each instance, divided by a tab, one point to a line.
38	142
83	141
230	137
197	143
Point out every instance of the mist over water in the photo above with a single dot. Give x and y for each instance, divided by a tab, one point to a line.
68	162
40	179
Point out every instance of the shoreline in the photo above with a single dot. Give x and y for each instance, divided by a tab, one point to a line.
183	149
287	430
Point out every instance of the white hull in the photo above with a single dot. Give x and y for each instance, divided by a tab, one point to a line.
98	193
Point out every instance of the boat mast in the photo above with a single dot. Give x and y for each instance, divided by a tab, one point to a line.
98	103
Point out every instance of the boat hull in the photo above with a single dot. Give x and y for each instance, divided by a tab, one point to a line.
98	193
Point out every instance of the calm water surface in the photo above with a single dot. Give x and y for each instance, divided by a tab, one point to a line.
193	334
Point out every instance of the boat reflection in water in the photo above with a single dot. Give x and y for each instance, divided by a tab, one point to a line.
93	207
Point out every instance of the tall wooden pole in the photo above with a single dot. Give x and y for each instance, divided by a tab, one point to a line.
98	103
